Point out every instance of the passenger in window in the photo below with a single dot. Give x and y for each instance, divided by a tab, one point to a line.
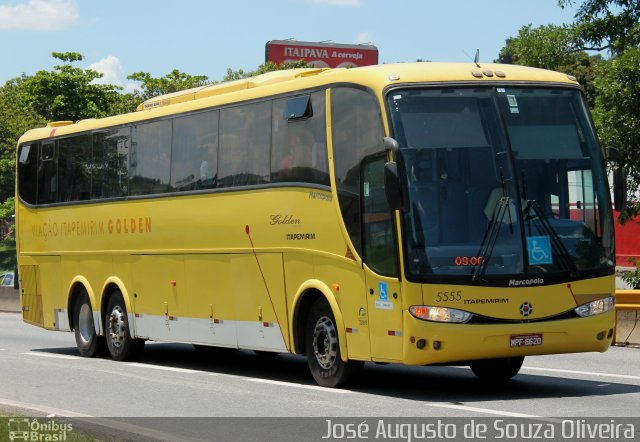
206	174
296	156
208	152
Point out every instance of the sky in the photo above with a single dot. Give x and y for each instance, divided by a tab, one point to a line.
205	37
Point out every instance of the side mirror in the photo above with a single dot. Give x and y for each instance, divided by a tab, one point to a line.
619	188
391	144
392	187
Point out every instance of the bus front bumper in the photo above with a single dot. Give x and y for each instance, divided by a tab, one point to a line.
434	343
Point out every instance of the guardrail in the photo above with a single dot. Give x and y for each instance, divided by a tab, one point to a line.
627	317
627	299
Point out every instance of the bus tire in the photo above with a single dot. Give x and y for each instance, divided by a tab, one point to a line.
122	346
496	370
322	347
89	343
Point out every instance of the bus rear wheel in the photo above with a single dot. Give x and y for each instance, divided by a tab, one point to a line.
89	343
118	332
496	370
323	348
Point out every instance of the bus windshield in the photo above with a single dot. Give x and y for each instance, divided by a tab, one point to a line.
501	181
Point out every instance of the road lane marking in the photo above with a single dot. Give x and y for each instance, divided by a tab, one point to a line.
162	367
588	373
51	355
483	410
292	384
41	408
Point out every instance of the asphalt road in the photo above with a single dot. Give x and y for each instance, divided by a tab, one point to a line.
41	372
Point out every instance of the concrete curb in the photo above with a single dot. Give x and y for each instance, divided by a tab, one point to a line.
9	300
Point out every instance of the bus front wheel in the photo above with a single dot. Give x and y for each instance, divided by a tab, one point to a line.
323	348
495	370
89	343
119	341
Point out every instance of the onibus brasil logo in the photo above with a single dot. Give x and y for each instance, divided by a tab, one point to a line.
24	429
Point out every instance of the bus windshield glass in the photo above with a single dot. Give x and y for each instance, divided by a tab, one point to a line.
501	182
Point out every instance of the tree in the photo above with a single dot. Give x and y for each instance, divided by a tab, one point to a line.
68	92
552	47
617	116
546	47
612	25
174	81
16	117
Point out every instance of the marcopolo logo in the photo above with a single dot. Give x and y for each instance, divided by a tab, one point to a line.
521	282
23	429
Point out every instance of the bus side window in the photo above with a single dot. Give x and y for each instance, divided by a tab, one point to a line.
299	150
74	168
28	172
149	165
47	174
110	163
194	153
245	144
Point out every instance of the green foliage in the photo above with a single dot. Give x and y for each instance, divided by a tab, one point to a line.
552	47
16	117
68	92
546	47
7	255
615	25
617	115
607	24
633	277
269	66
174	81
7	208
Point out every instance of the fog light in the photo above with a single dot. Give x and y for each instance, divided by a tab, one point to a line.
437	345
421	344
600	336
610	334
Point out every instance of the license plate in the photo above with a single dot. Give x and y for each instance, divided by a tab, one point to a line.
526	340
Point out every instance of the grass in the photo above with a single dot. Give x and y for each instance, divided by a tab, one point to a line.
7	255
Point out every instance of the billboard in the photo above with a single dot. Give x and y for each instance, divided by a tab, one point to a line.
321	55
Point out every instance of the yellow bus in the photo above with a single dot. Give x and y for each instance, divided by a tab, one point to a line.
420	213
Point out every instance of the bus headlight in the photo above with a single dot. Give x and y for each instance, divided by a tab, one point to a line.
439	314
596	307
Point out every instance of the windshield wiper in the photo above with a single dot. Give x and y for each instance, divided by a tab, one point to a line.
491	235
545	227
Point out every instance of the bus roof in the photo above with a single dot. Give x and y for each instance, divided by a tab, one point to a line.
376	77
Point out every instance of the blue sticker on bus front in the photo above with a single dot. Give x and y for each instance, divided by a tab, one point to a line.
539	248
383	291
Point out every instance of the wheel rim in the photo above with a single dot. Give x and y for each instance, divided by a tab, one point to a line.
85	323
325	342
117	327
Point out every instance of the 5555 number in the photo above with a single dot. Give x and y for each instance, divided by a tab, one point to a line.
454	295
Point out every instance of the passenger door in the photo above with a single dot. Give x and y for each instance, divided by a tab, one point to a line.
384	298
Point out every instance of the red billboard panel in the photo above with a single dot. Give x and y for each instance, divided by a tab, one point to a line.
321	55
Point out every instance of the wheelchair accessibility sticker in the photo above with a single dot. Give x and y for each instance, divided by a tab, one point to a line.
539	248
383	291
